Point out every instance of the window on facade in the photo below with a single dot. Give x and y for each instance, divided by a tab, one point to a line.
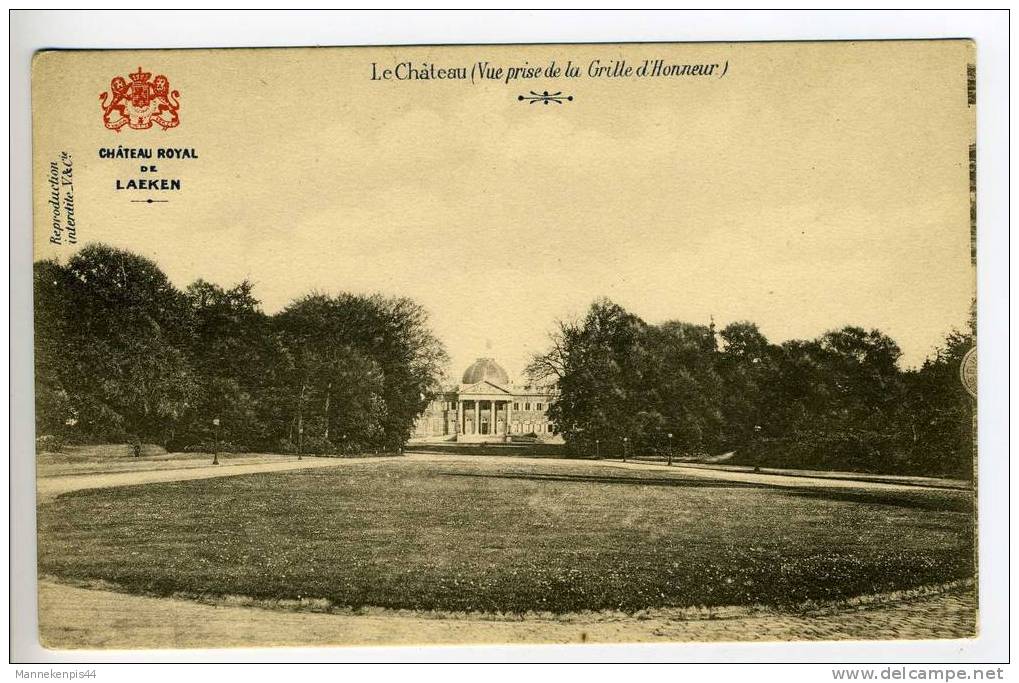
527	406
549	428
537	406
516	406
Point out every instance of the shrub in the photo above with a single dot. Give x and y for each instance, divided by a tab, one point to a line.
854	451
49	443
318	445
314	445
215	447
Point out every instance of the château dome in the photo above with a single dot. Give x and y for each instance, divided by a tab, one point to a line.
486	369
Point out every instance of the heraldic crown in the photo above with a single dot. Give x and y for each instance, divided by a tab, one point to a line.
140	76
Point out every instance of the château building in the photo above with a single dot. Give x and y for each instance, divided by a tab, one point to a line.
487	407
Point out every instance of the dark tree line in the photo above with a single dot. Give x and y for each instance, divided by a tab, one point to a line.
839	401
123	355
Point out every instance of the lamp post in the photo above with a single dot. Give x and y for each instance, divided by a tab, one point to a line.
215	454
626	440
597	449
300	440
670	449
757	463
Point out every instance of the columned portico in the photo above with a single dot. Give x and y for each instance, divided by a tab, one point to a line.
487	407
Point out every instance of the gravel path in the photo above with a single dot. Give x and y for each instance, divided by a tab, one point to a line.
78	618
48	488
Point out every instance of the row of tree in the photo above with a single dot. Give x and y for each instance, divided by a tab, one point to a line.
122	354
839	401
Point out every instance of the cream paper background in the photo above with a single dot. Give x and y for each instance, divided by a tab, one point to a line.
815	185
121	28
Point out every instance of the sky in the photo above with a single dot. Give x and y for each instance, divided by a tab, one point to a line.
811	187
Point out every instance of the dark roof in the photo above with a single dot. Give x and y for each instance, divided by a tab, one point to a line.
486	369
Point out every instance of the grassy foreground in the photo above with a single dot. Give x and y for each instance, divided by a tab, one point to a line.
500	537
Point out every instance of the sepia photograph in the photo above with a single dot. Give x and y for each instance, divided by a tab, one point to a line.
505	344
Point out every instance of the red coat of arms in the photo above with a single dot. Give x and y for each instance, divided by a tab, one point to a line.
140	103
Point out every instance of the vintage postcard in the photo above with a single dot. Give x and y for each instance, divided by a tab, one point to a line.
484	344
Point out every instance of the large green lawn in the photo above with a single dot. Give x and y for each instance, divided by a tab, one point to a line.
492	536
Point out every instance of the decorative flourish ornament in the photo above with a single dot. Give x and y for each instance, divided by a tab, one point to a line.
545	98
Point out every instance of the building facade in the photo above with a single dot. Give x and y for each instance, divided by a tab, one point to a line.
487	408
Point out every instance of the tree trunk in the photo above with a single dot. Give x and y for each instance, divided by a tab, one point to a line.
300	421
329	391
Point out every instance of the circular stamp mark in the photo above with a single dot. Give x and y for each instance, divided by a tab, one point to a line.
968	372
